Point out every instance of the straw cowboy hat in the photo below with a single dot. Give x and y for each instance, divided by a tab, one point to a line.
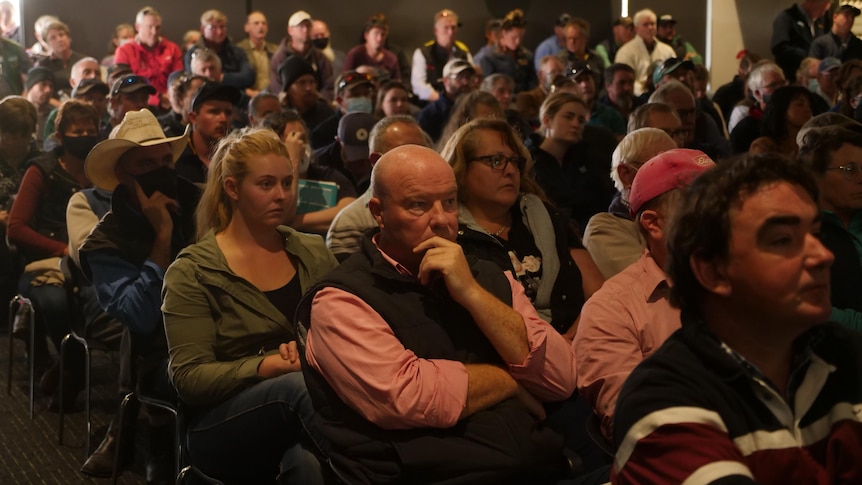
138	129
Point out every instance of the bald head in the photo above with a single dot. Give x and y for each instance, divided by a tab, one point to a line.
403	162
394	131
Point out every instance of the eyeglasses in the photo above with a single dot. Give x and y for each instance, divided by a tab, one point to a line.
499	162
850	169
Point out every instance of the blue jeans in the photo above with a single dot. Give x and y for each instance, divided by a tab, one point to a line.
247	437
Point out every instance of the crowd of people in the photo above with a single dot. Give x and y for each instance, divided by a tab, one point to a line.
372	266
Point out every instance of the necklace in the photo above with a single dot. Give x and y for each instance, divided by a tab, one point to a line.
496	234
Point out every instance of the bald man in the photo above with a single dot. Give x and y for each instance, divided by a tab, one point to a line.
414	351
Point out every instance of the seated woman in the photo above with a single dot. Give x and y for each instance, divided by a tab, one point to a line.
509	57
569	166
229	302
788	109
288	125
509	222
393	98
37	226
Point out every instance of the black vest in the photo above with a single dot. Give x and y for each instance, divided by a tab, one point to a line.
503	444
435	58
50	217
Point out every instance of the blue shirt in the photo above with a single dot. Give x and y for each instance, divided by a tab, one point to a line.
548	47
131	294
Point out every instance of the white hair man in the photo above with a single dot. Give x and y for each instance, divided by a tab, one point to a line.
612	238
644	49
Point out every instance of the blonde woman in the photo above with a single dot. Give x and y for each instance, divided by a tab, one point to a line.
572	175
229	302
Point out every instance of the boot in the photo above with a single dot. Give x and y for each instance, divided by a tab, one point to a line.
160	467
101	462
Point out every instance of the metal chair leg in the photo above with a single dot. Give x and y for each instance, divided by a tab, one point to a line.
61	411
32	314
121	417
13	303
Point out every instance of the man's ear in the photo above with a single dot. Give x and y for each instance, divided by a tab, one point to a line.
649	221
193	116
711	274
373	157
376	208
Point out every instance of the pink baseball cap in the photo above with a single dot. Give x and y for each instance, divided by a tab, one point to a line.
666	171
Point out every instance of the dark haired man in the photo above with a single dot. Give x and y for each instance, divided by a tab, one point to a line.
620	89
755	387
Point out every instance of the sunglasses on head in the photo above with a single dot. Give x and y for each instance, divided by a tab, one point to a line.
352	78
128	81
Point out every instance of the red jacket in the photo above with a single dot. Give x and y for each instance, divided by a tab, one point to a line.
154	64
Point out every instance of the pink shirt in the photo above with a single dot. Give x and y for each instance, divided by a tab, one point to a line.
622	324
356	351
154	64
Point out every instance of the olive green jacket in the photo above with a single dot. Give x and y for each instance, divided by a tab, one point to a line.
219	326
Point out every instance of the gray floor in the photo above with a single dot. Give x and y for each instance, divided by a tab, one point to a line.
29	449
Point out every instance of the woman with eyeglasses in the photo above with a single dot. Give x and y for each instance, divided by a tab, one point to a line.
509	56
229	303
833	154
373	52
508	220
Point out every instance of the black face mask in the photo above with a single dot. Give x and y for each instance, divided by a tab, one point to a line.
162	179
79	146
320	43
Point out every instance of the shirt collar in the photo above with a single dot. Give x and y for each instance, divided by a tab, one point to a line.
400	268
656	283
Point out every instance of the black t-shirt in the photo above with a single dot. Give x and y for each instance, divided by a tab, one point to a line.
520	254
286	298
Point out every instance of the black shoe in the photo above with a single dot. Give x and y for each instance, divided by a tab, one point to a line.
100	463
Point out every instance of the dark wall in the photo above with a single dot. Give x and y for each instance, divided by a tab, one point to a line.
92	22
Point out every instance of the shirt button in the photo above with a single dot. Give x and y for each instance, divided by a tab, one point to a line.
564	297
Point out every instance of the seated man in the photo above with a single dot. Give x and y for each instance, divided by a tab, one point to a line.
756	387
348	153
444	381
612	238
661	116
701	132
600	113
629	317
126	255
353	221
